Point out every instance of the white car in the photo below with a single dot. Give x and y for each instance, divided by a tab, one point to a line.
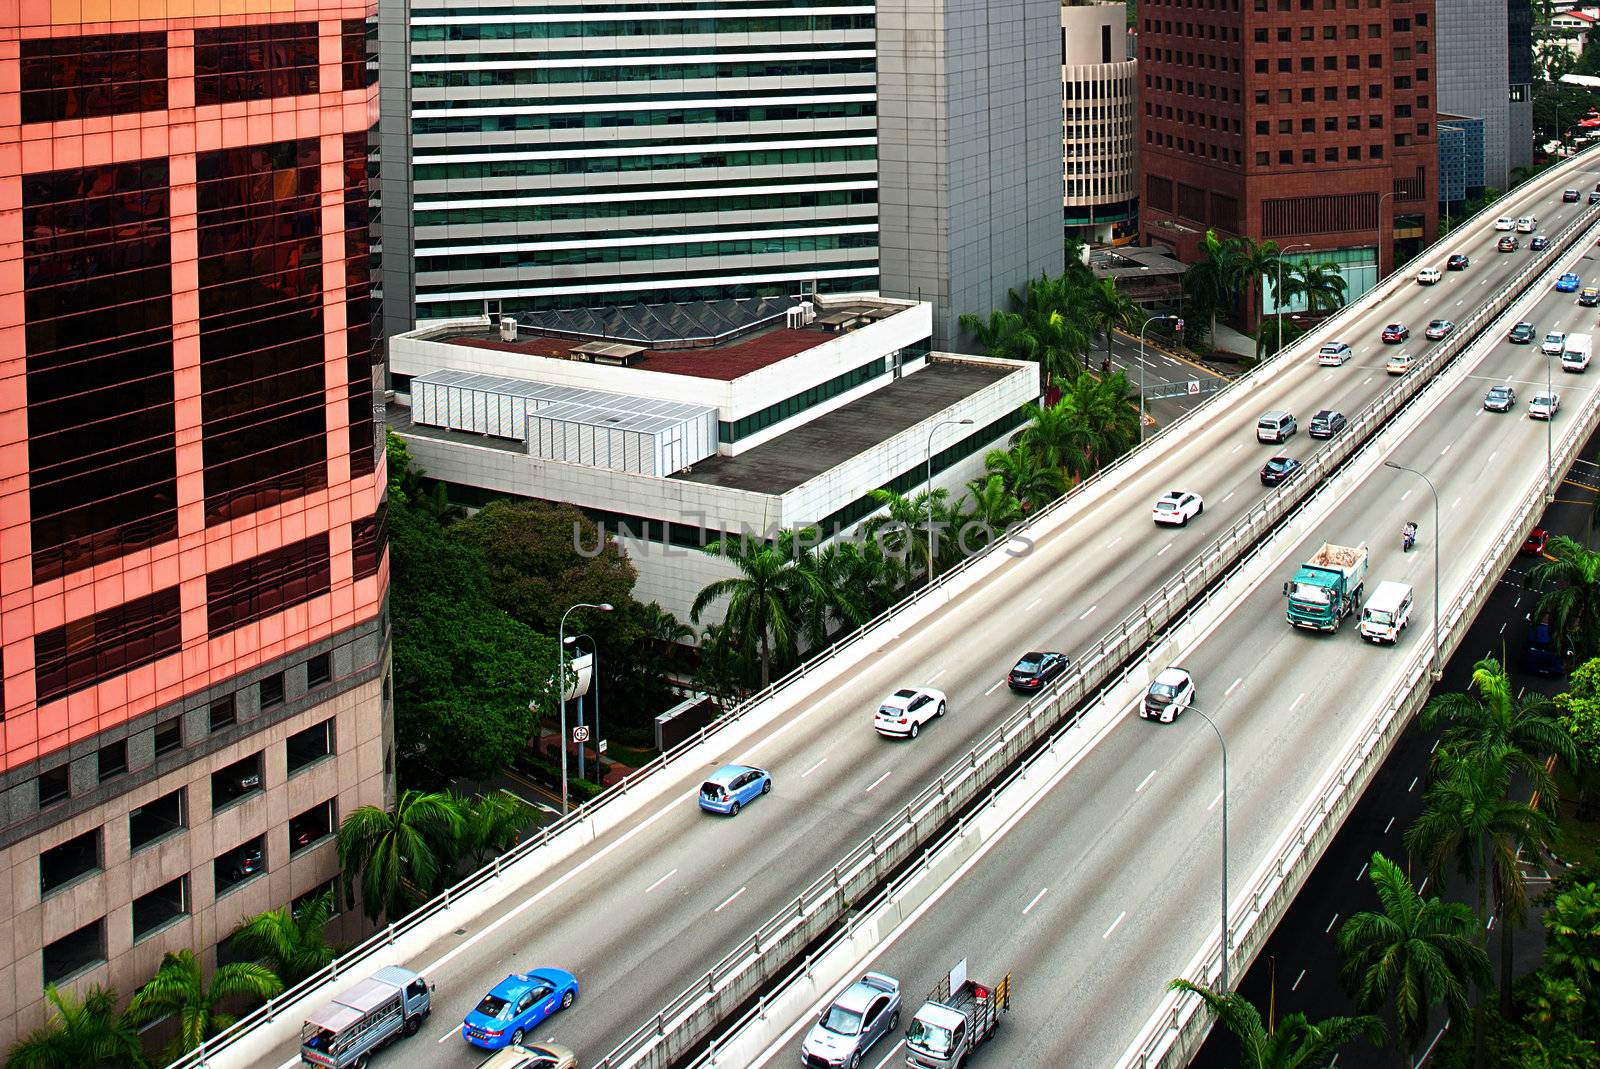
1503	223
1399	364
1544	406
1169	694
1428	276
1334	354
1554	344
1527	224
1179	507
903	713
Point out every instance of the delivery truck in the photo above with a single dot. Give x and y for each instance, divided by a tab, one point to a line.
1328	587
959	1016
390	1003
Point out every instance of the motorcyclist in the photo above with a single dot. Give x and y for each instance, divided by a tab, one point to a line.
1408	535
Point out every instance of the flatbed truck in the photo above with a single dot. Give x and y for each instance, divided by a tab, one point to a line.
960	1015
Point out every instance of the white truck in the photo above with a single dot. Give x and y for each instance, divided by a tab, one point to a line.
958	1017
1387	612
1575	354
388	1004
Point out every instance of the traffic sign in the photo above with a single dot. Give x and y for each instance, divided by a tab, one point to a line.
580	733
1194	387
601	746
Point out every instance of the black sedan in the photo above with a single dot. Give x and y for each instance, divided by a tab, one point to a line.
1523	333
1327	423
1036	669
1458	262
1500	399
1279	470
1539	243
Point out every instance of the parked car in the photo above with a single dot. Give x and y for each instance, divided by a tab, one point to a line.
1334	354
247	862
1544	406
732	787
1399	364
1534	545
1554	344
1569	196
1438	330
1428	276
1522	333
864	1013
1568	283
1503	223
517	1005
1179	507
1169	694
1395	333
1500	398
902	714
1539	243
1509	243
1457	262
1280	470
1035	669
1327	423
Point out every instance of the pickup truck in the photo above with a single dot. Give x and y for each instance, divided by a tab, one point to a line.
959	1016
389	1004
1328	587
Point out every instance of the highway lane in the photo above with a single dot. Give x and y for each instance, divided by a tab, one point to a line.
1106	889
646	909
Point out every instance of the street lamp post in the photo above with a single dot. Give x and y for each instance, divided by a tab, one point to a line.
1437	674
932	562
1549	485
594	674
1278	294
561	686
1223	743
1145	326
1378	252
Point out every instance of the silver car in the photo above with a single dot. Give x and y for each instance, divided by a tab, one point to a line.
864	1013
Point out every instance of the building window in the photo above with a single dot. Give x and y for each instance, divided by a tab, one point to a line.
369	536
224	713
311	827
309	746
84	652
326	887
55	786
256	588
156	819
239	779
319	670
72	954
244	862
69	862
159	908
169	736
113	759
88	75
272	691
233	63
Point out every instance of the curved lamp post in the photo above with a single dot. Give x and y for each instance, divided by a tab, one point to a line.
561	685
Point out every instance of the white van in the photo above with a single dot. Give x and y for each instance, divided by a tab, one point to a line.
1387	612
1575	354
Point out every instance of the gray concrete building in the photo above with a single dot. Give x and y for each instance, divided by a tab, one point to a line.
1485	71
970	179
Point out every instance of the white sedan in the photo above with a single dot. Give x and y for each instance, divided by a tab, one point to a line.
1178	507
903	713
1503	223
1428	276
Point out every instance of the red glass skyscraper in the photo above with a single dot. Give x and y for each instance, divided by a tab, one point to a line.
192	565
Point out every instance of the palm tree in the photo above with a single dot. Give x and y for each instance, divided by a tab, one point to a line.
766	599
86	1034
997	335
1296	1042
861	578
1212	281
491	824
1322	286
1469	818
660	626
179	989
1256	261
1569	579
725	664
1108	421
995	507
293	941
1572	937
1056	434
1033	484
1412	955
902	529
1108	308
398	855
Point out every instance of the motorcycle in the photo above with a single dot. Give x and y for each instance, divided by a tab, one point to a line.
1408	537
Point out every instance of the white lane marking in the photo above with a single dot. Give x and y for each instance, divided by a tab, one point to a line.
1214	802
1405	495
934	677
1230	494
1456	502
998	684
1026	909
1086	612
454	1031
1163	549
1114	924
1236	448
1366	380
887	1058
1446	449
1145	782
1335	920
1387	826
1112	544
1034	602
1297	701
663	879
729	901
879	780
813	768
1233	686
1461	302
1363	871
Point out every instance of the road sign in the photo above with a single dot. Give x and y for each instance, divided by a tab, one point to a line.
1194	387
601	746
1178	326
580	733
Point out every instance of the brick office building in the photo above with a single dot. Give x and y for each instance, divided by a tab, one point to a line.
1302	121
192	564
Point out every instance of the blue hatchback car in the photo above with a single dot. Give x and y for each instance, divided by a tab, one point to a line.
732	787
517	1005
1568	283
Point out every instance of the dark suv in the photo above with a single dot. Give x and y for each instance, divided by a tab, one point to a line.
1522	334
1034	670
1327	423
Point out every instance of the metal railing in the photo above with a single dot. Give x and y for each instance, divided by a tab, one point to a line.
1159	607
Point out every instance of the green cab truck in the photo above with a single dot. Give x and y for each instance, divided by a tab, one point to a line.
1328	587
